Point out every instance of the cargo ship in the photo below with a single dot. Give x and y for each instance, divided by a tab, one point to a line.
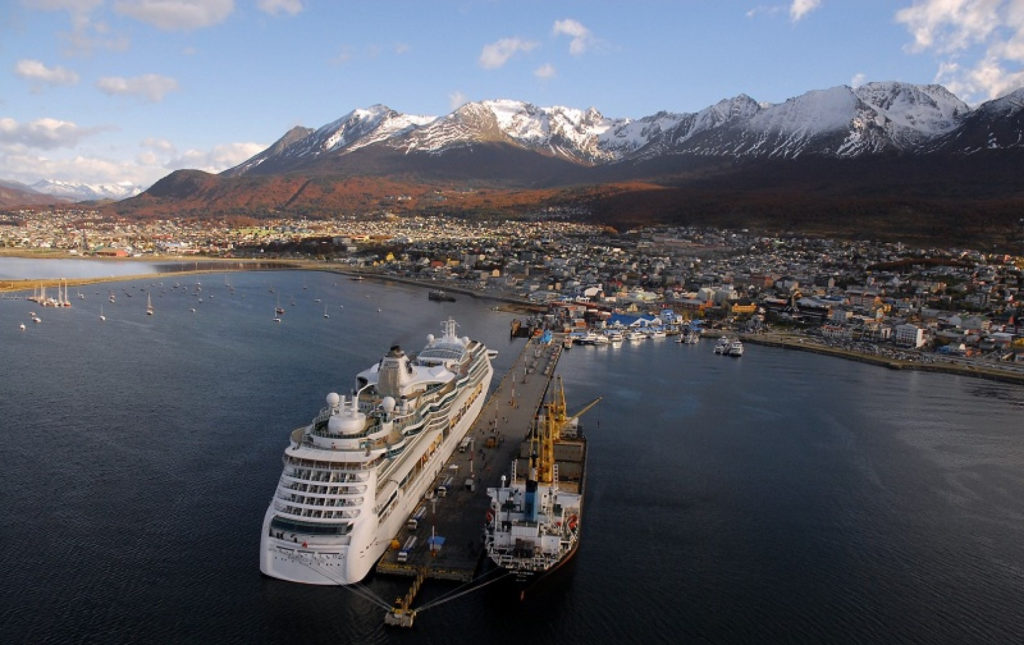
534	518
354	473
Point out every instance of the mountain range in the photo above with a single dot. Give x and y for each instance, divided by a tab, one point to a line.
872	153
47	191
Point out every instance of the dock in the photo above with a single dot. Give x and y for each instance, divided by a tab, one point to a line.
448	535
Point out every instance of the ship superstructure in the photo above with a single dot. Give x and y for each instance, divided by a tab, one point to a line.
353	475
534	518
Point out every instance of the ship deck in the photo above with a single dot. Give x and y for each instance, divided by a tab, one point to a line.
458	517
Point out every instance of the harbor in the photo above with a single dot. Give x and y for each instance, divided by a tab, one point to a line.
442	540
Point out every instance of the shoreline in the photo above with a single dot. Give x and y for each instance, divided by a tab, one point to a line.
946	368
510	304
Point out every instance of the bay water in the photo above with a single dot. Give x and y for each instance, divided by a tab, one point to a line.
781	496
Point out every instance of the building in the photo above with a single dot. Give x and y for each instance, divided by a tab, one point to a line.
909	335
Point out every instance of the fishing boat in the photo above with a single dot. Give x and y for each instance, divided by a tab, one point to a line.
354	473
534	518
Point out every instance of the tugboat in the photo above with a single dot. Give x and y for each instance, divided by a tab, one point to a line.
534	518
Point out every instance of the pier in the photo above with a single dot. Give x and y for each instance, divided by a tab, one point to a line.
443	540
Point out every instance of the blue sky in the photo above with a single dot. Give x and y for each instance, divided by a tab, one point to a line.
104	91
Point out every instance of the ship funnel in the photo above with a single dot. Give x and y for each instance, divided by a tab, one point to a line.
393	373
530	501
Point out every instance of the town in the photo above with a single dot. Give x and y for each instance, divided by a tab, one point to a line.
929	305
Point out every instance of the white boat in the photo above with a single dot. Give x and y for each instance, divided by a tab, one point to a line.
635	334
149	305
354	474
735	348
533	522
102	317
689	337
722	346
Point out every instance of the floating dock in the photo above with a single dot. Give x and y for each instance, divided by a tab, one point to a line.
443	540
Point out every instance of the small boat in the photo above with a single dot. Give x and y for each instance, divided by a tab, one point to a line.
21	326
149	305
102	317
440	295
326	315
735	348
722	346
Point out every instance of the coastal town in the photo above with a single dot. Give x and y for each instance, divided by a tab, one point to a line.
939	306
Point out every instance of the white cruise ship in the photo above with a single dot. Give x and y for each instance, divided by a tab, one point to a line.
353	475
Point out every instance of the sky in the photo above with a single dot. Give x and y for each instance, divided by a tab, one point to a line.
108	91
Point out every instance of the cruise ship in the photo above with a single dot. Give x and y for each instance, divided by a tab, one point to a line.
534	518
353	475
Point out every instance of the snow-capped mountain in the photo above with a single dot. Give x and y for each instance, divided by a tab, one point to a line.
357	129
81	192
995	125
839	122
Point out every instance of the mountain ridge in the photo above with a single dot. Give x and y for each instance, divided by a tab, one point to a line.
836	154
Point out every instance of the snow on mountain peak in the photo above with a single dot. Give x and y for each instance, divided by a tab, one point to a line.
839	121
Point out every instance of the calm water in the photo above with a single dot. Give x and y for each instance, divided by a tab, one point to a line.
14	268
782	496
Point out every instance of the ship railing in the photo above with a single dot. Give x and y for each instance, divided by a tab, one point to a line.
334	505
332	488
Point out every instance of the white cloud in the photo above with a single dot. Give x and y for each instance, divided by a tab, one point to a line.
177	15
344	56
220	157
582	39
274	7
764	9
30	168
979	44
857	80
45	133
152	87
402	48
35	70
545	71
498	53
950	25
456	100
800	8
86	34
157	144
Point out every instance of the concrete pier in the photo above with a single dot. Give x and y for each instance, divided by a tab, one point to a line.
457	515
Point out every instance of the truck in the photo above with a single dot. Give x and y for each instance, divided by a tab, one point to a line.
414	520
446	485
466	444
403	554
